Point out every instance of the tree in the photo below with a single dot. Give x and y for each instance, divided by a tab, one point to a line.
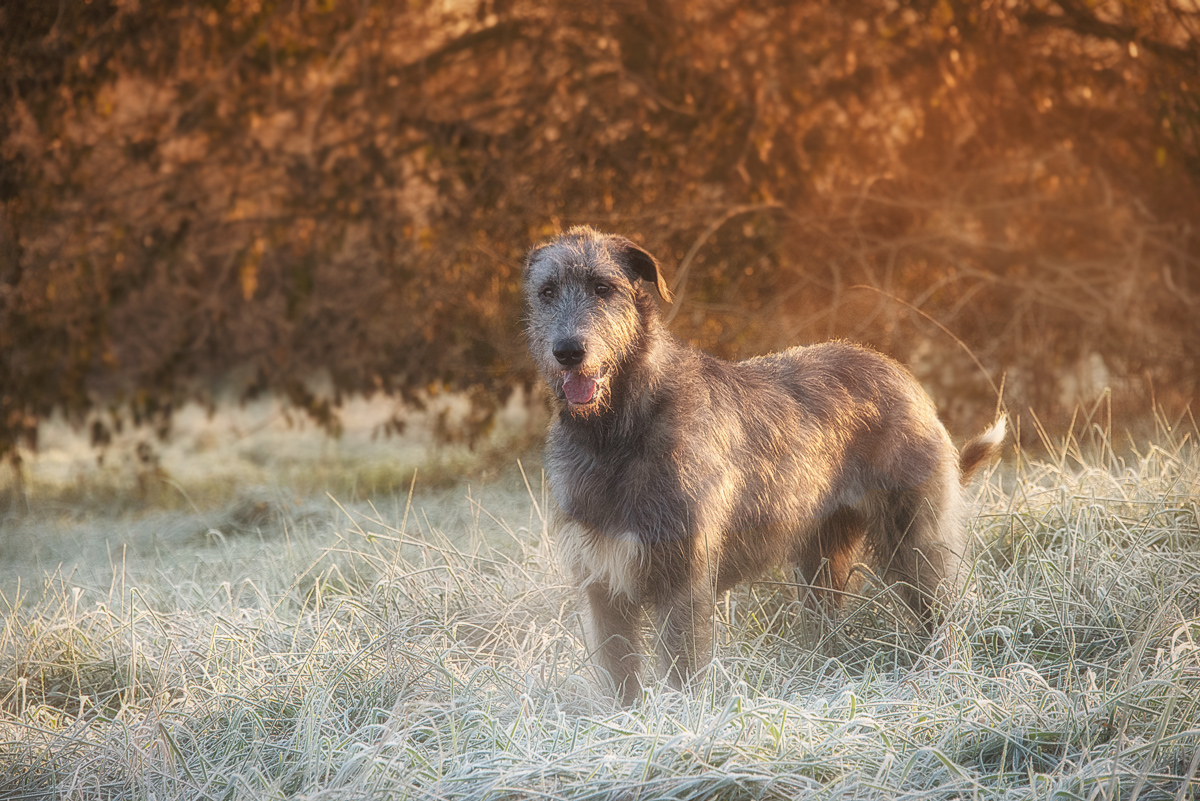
275	190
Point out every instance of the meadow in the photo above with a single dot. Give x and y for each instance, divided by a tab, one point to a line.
425	643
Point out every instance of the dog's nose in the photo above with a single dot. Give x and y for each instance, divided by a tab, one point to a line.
569	352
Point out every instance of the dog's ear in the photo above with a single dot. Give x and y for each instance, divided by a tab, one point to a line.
532	255
643	264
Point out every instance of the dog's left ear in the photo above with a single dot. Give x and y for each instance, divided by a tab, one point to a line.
642	263
532	255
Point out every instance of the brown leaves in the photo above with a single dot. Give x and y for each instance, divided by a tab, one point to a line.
350	187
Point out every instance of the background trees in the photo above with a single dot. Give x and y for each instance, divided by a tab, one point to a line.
265	191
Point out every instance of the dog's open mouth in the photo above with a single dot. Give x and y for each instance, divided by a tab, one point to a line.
580	390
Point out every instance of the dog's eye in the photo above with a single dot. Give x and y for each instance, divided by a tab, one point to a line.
546	292
603	290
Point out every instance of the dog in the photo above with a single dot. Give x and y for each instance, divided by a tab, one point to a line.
678	475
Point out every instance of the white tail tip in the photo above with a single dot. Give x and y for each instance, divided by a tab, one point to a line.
995	434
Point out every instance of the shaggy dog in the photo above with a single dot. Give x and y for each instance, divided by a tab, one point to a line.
678	475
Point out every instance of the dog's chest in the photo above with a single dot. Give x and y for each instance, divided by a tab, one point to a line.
619	494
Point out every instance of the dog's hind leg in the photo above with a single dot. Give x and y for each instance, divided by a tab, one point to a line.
826	555
919	546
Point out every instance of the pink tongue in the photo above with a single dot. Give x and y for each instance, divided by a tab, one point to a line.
579	389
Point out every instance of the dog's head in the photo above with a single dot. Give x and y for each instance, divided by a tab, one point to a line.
587	309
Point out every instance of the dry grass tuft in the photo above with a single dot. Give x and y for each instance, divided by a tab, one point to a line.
429	647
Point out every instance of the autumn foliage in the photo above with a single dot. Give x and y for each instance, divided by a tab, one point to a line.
264	192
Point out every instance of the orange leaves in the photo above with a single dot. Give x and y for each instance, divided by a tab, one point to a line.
350	187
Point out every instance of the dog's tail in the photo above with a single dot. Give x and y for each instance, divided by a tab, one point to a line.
982	449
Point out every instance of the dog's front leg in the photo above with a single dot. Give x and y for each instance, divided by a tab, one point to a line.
615	636
685	631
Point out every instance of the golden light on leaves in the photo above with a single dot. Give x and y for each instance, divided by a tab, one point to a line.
356	169
248	274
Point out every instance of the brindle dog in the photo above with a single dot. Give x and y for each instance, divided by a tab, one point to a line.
678	475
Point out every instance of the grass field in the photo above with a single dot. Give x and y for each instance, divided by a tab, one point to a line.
428	646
